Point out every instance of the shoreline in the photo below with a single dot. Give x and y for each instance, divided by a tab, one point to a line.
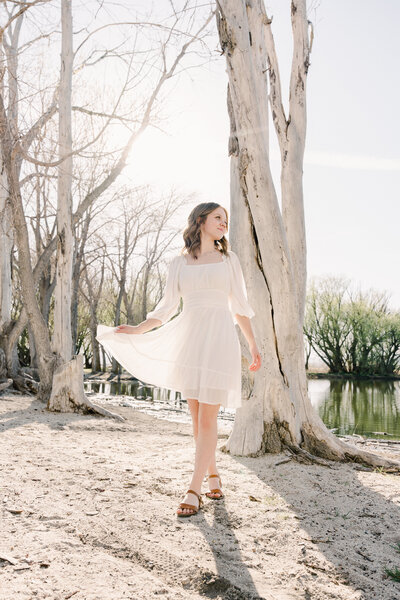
351	376
107	376
88	508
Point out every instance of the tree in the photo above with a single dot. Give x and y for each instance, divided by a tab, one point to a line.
67	391
352	333
15	145
277	412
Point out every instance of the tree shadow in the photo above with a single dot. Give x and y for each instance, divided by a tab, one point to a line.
19	416
339	529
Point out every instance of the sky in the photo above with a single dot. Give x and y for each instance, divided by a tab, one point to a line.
352	158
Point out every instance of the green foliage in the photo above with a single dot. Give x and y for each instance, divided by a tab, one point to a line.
83	334
24	354
352	333
393	573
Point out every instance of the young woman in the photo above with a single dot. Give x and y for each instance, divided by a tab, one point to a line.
198	352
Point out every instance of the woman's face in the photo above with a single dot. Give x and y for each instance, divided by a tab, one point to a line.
215	224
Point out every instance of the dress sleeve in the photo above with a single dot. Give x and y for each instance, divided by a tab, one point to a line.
169	303
238	303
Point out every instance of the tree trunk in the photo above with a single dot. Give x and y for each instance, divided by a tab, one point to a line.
67	391
70	395
45	357
115	367
62	339
276	411
6	245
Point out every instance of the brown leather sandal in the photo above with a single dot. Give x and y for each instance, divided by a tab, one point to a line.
194	509
215	490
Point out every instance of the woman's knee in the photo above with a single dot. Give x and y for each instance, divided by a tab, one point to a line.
207	417
193	404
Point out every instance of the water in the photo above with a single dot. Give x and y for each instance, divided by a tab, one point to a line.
366	408
163	403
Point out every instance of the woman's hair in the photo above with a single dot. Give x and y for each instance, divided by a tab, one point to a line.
192	233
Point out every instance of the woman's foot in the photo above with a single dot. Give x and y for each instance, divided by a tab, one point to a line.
191	504
215	484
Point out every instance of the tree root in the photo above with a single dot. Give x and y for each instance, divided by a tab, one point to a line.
317	446
68	395
5	384
302	456
25	383
326	444
86	406
83	406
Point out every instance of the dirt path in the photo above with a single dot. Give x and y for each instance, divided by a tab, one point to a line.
88	512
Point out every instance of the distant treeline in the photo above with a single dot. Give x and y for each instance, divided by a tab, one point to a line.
351	332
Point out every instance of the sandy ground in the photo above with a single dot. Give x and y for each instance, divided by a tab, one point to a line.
88	512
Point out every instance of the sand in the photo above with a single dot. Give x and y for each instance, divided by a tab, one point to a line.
88	512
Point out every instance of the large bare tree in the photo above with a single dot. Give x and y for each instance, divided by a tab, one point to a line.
270	241
15	147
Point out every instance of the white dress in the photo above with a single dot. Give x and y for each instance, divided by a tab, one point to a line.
198	352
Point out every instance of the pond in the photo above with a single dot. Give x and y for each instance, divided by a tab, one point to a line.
163	403
367	408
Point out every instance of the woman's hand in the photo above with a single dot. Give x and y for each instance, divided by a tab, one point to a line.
127	329
255	355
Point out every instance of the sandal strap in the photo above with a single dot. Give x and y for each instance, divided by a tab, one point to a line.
184	505
218	476
195	493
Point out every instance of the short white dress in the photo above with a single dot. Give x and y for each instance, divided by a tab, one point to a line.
198	352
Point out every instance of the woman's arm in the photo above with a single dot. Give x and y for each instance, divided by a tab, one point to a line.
245	326
142	327
167	306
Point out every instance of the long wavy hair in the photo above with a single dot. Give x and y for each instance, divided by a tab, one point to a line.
192	233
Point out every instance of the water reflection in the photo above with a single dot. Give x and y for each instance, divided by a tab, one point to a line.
348	406
165	404
367	408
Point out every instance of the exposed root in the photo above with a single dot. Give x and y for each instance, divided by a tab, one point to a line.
302	456
90	407
318	446
25	384
67	394
369	459
5	384
333	448
64	401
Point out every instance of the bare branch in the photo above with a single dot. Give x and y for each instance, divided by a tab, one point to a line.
275	96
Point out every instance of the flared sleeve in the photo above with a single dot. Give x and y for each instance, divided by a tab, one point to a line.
169	303
238	303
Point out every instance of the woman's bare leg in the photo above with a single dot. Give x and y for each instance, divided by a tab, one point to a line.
206	444
194	411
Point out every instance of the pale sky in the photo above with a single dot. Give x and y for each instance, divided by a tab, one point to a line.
352	162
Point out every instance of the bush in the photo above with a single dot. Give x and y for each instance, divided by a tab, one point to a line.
352	333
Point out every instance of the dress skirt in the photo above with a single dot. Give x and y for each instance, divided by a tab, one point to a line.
197	352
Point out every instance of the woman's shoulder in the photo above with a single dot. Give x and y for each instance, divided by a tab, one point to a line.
178	259
231	254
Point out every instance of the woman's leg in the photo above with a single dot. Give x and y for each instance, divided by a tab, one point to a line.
206	444
194	411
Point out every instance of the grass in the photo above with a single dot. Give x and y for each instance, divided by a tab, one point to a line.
393	573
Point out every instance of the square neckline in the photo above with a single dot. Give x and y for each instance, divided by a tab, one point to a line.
205	264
